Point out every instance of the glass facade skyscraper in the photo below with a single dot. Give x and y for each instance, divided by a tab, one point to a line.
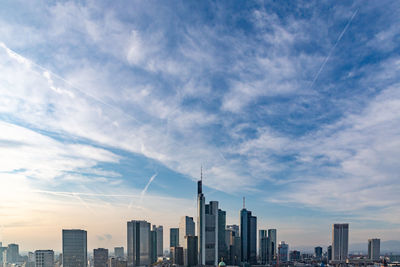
248	234
138	246
174	237
340	241
74	246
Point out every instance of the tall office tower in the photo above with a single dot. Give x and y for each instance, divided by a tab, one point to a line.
248	234
100	257
190	253
201	225
272	245
44	258
233	244
113	262
174	237
329	252
138	243
283	251
222	246
74	248
177	255
119	253
211	221
340	241
318	253
153	245
160	240
263	242
186	228
294	255
2	250
12	254
374	249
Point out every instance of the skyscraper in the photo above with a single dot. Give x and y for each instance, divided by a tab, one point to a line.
233	244
248	234
44	258
329	252
186	228
201	226
222	245
100	257
374	249
153	245
283	252
191	250
177	256
211	220
272	245
119	253
12	254
318	252
74	246
160	241
174	237
340	241
263	242
138	243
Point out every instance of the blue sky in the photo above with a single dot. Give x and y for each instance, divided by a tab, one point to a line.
294	105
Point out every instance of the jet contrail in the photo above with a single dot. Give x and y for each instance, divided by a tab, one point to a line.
22	59
333	48
147	186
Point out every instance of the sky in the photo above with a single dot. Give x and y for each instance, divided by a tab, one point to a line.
108	110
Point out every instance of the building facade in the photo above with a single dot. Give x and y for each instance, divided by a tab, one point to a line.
100	257
74	248
119	253
174	237
283	252
374	249
340	242
248	235
44	258
138	243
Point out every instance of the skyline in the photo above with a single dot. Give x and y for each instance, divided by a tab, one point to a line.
108	111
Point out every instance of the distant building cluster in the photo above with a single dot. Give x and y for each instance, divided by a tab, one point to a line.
207	242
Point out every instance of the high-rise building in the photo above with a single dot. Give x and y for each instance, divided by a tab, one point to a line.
201	224
222	245
177	255
272	245
248	234
138	243
160	240
211	220
153	245
186	228
3	250
11	255
283	251
340	241
174	237
374	249
233	243
74	246
113	262
191	251
44	258
318	253
119	253
294	255
262	246
100	257
329	252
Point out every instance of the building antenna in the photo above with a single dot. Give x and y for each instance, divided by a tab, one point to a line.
201	173
244	202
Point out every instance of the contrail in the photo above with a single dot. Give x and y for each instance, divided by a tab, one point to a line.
147	186
333	48
22	59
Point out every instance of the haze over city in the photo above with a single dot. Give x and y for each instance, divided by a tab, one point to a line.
108	111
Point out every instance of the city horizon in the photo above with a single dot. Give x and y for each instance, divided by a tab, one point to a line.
112	112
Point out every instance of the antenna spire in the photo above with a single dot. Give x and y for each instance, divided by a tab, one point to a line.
201	173
244	202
